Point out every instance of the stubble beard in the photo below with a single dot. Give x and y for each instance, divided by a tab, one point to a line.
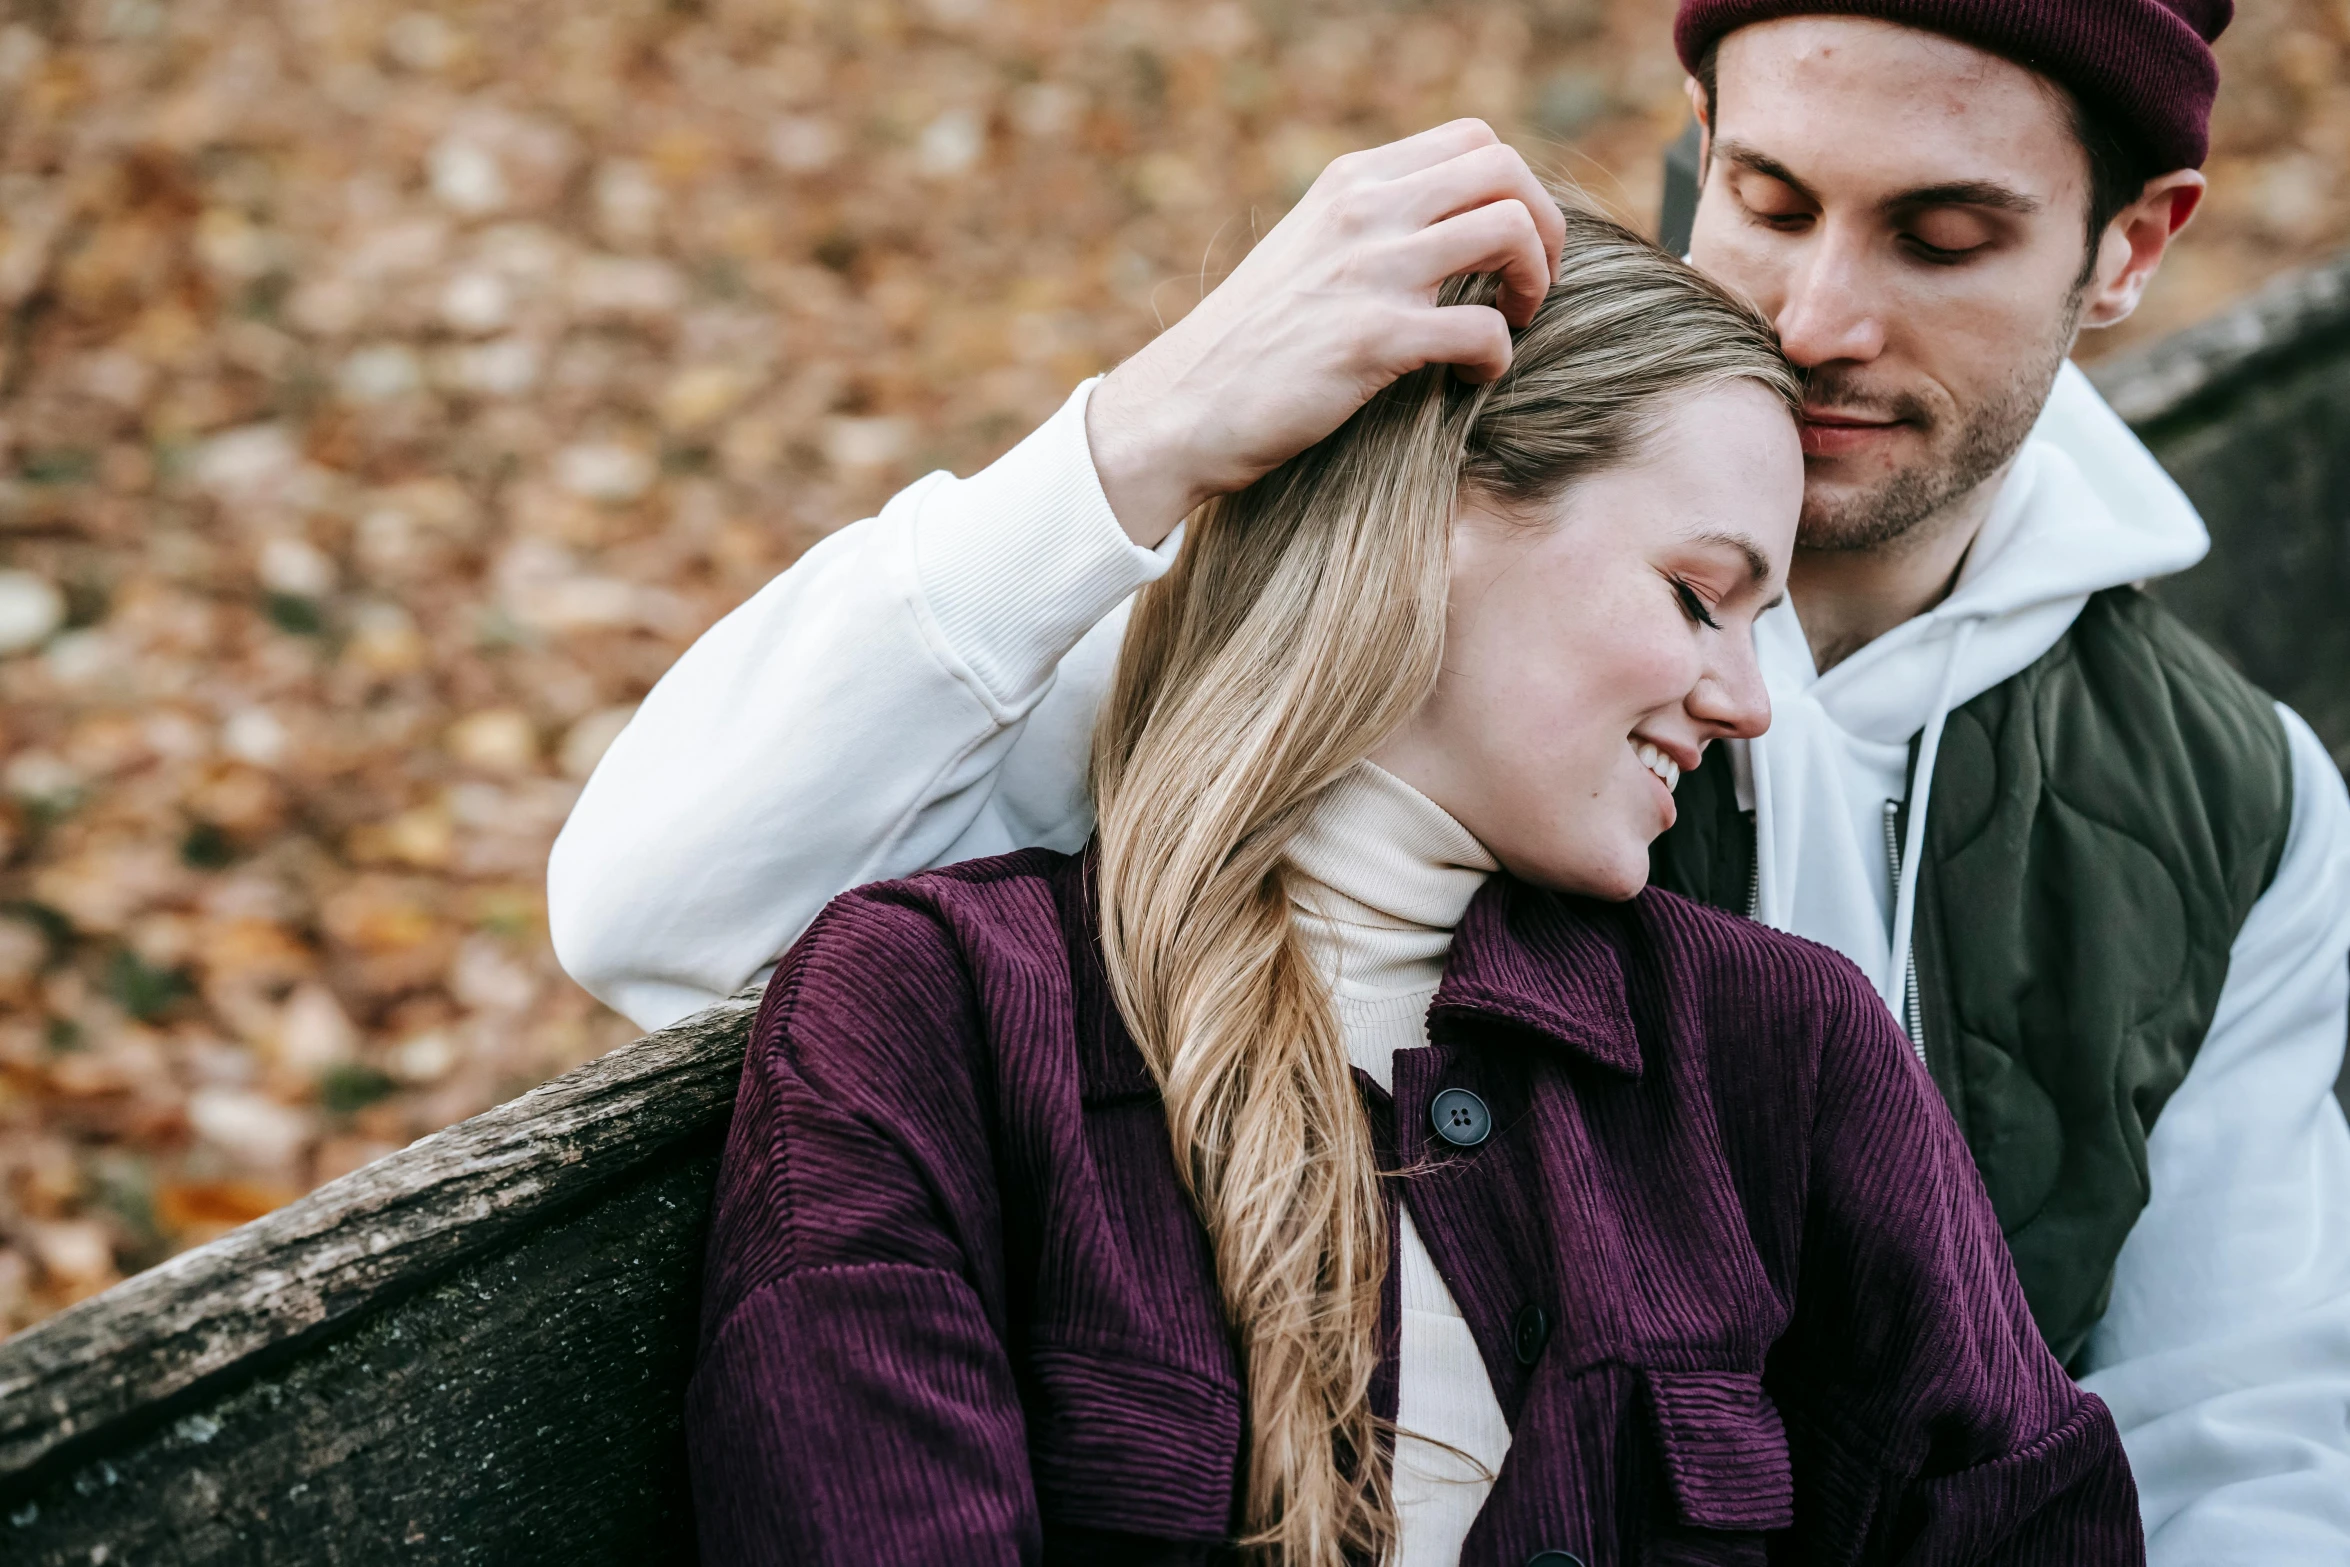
1957	462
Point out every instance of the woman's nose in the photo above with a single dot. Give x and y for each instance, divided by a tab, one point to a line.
1729	698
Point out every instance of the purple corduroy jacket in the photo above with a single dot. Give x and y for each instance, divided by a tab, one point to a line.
1730	1267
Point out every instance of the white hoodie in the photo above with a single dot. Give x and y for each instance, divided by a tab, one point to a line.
920	687
1837	751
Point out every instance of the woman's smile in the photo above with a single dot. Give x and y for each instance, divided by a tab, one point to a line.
1593	650
1654	759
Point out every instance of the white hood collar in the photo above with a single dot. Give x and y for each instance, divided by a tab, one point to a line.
2084	508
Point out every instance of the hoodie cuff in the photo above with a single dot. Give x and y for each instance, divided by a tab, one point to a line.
1018	562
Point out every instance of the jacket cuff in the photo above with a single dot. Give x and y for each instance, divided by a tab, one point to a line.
1016	563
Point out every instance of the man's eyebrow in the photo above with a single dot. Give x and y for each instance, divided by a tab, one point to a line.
1968	193
1758	565
1950	193
1751	157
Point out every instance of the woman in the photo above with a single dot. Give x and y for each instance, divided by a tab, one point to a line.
1344	1159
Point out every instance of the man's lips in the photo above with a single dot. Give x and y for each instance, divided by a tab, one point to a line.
1827	434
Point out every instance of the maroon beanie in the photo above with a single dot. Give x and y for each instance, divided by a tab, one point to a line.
2146	65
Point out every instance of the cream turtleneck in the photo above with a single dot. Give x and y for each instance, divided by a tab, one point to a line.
1385	873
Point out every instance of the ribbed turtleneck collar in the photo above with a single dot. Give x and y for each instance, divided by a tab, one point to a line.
1384	874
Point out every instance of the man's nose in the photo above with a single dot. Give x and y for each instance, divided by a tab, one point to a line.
1831	312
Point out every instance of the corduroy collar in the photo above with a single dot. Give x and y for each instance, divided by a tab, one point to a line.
1546	964
1530	960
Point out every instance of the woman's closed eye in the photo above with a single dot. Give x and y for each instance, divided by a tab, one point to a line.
1693	605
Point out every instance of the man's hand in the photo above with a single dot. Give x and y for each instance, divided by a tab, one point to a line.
1335	303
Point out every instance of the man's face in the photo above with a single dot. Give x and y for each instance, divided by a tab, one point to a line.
1909	211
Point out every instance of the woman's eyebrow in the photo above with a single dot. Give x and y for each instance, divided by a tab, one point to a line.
1758	565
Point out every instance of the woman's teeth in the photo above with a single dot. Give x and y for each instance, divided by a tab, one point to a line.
1660	764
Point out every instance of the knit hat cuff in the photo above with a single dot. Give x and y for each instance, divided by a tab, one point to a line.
2140	63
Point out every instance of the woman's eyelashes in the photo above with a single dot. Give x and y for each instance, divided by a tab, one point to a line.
1693	605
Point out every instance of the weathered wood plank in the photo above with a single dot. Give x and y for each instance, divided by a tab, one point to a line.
2270	472
527	1408
2300	316
379	1231
2250	412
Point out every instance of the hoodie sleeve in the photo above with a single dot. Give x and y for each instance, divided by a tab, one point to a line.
1926	1417
2226	1351
918	689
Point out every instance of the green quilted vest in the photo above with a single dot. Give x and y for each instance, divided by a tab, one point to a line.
2100	826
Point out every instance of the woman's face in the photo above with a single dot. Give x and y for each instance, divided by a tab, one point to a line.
1595	646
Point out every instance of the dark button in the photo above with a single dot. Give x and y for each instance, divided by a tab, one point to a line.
1460	1118
1554	1559
1529	1331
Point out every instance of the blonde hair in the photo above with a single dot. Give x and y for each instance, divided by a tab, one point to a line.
1302	622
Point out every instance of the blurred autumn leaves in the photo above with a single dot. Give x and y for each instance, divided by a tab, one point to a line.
390	392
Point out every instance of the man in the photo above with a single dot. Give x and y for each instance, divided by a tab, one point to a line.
2104	883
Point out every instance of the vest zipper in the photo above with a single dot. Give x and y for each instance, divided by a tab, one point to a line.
1753	871
1911	1018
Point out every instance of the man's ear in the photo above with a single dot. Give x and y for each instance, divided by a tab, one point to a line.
1705	129
2133	244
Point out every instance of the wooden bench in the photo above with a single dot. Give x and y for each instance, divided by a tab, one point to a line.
475	1349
